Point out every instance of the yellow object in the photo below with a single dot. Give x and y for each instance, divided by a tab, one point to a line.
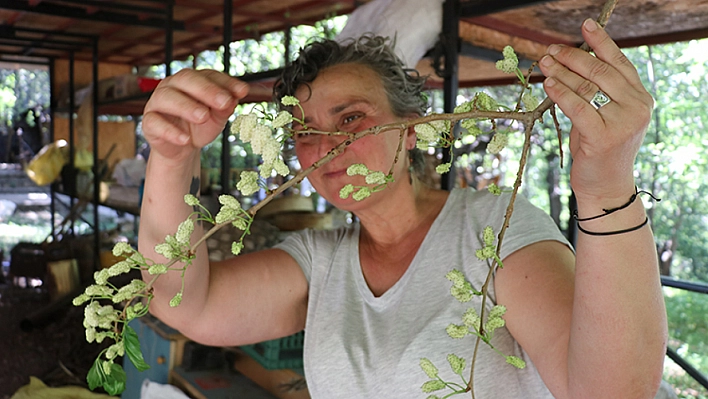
46	166
36	389
83	160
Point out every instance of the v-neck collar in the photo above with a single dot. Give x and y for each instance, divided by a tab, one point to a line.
395	292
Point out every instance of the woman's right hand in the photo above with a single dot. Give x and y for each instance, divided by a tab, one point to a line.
188	110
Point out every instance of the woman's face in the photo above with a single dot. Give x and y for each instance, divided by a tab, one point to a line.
348	98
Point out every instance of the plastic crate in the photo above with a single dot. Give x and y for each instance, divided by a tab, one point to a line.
281	353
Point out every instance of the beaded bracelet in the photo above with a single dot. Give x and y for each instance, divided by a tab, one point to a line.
612	210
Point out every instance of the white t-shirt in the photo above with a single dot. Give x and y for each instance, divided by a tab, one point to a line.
361	346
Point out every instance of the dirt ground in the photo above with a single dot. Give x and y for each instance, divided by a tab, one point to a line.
56	353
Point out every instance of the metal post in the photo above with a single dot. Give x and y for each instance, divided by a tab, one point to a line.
169	37
72	145
225	145
451	38
286	44
52	106
96	167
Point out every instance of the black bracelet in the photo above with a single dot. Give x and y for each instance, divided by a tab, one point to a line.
612	210
611	233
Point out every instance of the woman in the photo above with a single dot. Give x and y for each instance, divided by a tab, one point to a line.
373	297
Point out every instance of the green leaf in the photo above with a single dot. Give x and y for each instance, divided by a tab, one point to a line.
132	348
115	381
95	375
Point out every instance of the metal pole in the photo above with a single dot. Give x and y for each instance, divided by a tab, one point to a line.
451	38
286	44
225	145
96	167
169	37
52	106
72	153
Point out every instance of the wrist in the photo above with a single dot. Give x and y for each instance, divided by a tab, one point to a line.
187	164
593	204
625	218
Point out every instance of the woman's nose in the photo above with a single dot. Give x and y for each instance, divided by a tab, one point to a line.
328	142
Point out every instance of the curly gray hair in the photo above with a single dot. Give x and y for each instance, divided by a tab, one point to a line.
403	86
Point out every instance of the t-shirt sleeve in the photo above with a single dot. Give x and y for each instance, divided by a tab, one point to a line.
528	225
299	246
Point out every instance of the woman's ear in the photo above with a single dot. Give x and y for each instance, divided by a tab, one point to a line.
411	137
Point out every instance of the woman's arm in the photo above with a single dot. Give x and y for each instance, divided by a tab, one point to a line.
242	300
595	326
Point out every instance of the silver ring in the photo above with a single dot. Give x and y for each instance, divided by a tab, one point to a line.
600	99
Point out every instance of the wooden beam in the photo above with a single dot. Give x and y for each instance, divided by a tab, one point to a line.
77	12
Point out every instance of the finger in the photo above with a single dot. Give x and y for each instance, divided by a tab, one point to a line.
578	84
607	50
214	89
168	100
159	127
578	65
573	105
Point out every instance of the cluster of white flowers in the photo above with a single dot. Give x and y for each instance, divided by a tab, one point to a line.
289	101
489	251
376	177
175	247
248	182
346	191
128	291
530	101
498	142
263	141
457	364
428	368
230	210
99	317
510	63
176	300
443	168
372	177
361	194
461	289
357	169
429	133
494	189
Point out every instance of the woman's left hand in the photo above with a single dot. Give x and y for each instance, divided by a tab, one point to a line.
604	141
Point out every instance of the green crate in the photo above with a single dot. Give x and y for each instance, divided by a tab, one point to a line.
281	353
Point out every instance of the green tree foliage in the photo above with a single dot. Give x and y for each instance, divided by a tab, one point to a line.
20	90
673	161
688	331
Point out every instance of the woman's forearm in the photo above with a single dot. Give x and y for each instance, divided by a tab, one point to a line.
619	320
163	209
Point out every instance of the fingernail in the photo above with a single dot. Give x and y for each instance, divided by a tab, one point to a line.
554	49
550	82
590	25
222	99
199	113
241	86
547	60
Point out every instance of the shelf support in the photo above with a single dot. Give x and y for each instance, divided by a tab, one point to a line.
225	144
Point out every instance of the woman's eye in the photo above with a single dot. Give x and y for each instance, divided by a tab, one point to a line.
350	119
